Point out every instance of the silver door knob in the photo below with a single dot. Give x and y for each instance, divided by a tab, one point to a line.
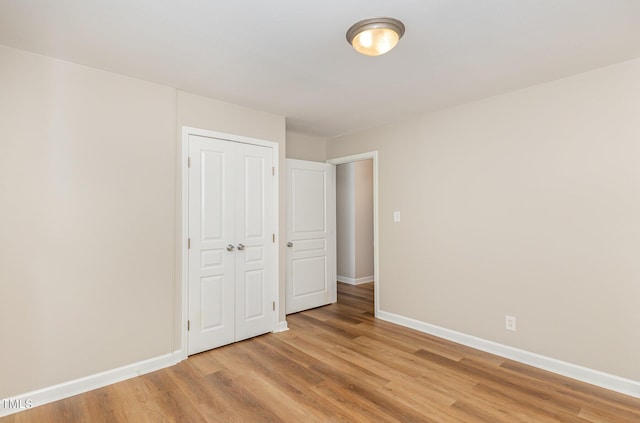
230	247
240	246
289	244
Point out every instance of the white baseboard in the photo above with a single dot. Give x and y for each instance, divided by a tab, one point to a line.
85	384
594	377
282	327
352	281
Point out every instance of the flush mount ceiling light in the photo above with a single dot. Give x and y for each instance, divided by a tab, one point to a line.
375	36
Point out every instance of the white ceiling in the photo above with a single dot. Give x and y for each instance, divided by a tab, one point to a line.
290	57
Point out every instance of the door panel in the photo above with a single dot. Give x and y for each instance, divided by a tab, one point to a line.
212	195
211	226
311	255
210	305
255	285
309	276
255	261
256	175
308	191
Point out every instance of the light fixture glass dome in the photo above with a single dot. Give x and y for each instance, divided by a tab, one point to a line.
375	36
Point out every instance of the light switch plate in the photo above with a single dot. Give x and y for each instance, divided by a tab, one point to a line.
396	216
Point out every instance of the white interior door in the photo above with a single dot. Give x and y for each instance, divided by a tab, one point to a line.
212	250
232	254
311	235
255	258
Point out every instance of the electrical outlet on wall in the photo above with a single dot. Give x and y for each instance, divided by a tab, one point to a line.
510	323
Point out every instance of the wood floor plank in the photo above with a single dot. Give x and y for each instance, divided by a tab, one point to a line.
593	414
581	392
330	356
286	406
239	398
432	411
354	408
197	390
339	364
205	363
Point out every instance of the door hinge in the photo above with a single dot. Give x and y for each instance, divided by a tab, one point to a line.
188	161
274	238
188	243
273	170
188	325
274	306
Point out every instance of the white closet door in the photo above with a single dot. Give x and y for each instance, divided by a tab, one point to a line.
212	252
311	235
232	268
255	258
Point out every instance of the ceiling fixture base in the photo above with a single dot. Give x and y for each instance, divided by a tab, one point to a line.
375	36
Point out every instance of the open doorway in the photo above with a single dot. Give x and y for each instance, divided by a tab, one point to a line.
356	222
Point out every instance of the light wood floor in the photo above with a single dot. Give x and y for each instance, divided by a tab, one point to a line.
337	363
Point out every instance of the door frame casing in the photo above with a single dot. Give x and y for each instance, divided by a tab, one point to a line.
376	251
184	232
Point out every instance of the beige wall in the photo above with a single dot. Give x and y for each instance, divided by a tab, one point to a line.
207	113
363	219
524	204
90	210
354	217
305	147
87	212
345	216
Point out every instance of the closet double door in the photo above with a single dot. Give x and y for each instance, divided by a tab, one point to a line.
232	251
